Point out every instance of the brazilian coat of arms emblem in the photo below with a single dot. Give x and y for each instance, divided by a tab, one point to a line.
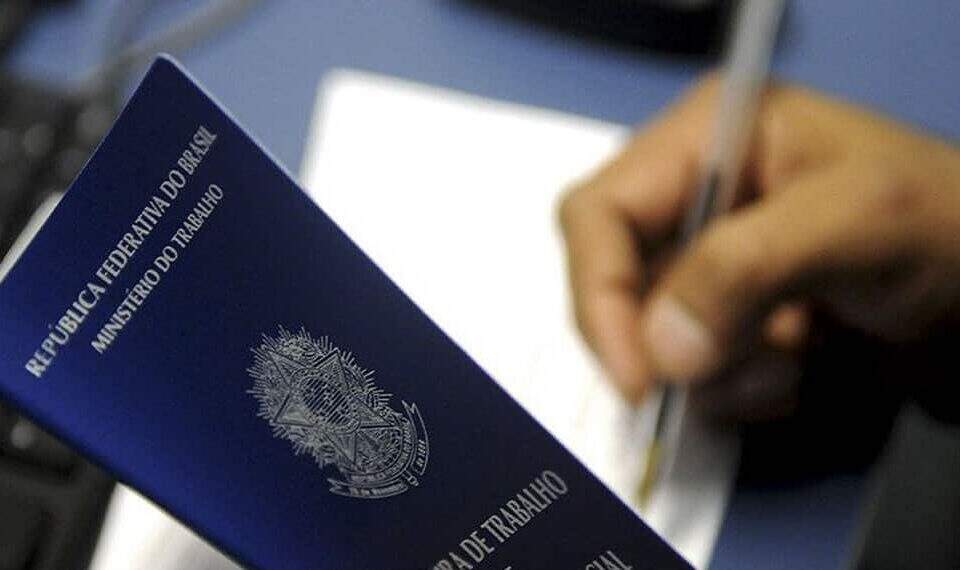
327	406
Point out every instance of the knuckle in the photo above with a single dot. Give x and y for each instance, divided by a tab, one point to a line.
707	85
790	137
892	192
779	159
698	99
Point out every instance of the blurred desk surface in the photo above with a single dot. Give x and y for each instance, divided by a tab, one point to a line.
898	57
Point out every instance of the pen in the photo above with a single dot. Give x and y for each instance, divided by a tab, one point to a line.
745	73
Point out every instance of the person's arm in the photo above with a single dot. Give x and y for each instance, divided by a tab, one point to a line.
842	209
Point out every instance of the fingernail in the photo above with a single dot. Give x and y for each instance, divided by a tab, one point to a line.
623	367
680	345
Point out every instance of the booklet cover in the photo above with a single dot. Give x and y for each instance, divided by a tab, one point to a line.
188	318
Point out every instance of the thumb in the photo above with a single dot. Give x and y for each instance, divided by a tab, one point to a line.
744	263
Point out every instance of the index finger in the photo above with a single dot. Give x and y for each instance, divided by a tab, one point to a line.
639	194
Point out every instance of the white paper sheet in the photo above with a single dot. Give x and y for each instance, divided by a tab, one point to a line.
453	196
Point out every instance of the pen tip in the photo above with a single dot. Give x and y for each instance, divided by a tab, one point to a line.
650	475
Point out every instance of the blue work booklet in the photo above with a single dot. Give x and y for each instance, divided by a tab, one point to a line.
188	318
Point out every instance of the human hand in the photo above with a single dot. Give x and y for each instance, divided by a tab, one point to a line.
839	209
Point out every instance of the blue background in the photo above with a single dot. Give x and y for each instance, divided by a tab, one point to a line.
900	57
